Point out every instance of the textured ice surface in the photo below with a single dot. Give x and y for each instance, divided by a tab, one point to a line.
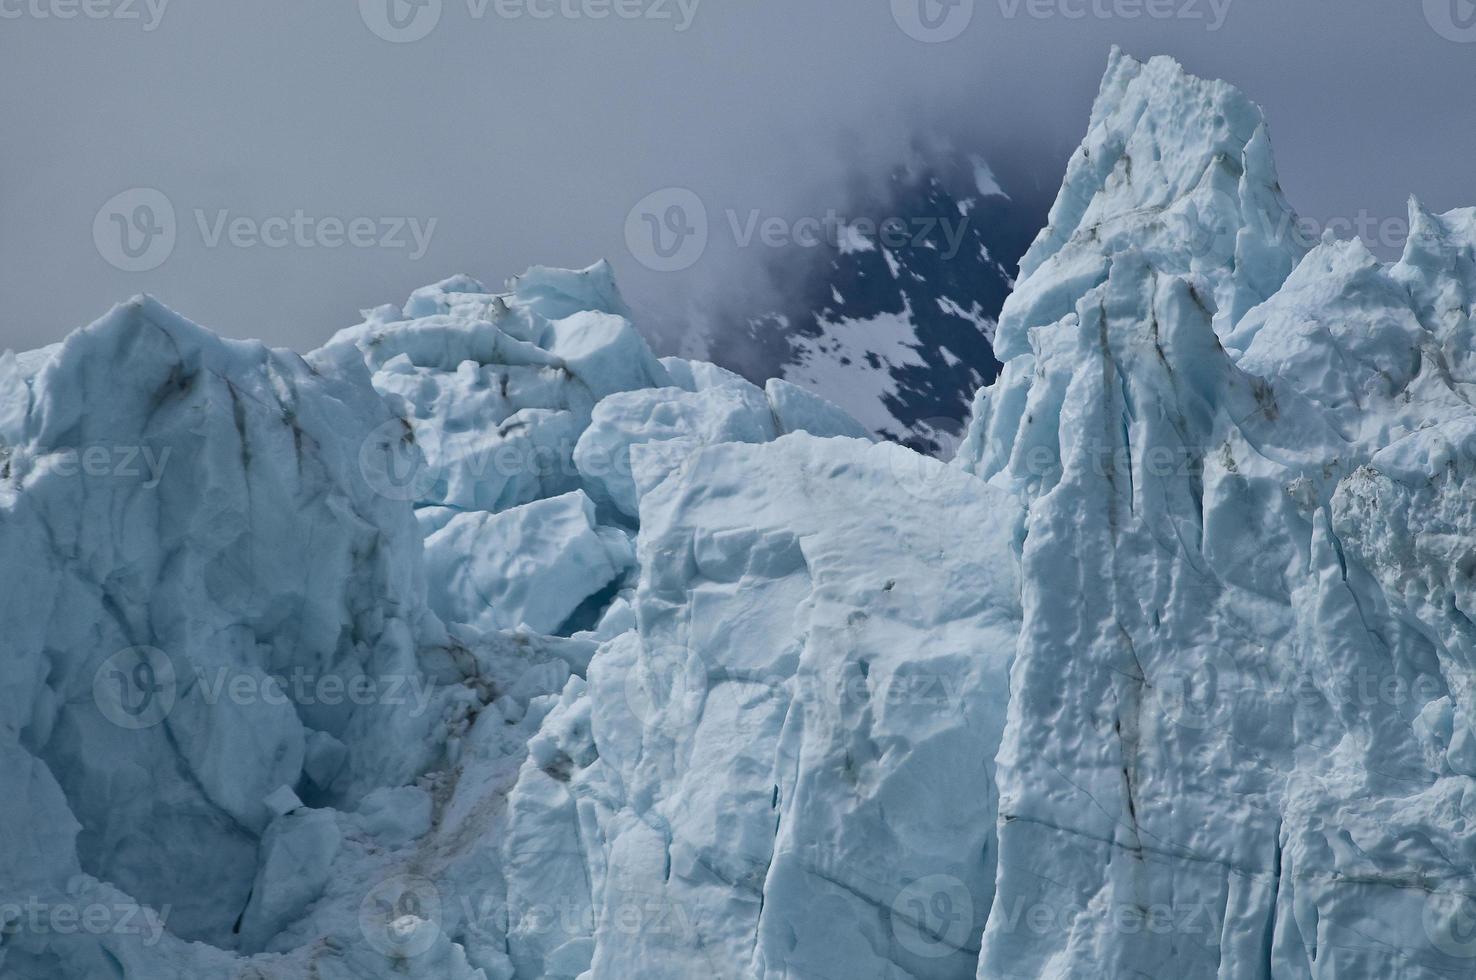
533	565
802	724
482	644
1242	692
182	513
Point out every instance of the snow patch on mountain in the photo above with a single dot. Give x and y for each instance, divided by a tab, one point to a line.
856	363
895	322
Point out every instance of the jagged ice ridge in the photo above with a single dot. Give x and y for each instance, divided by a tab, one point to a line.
483	644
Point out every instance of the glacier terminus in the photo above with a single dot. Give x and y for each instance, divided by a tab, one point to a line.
482	643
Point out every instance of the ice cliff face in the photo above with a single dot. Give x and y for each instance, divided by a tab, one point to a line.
483	644
180	510
1241	700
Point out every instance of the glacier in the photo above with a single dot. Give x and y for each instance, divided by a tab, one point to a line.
483	643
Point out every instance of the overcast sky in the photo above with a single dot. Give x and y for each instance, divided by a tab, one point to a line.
506	137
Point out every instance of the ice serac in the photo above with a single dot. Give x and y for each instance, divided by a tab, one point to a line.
1176	168
673	420
496	388
1171	674
180	512
797	409
789	760
1240	719
280	695
533	565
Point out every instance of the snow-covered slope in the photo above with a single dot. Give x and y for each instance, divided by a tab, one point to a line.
893	319
483	644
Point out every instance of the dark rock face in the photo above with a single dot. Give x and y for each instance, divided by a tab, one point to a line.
892	316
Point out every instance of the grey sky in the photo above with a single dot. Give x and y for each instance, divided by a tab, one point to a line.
528	140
